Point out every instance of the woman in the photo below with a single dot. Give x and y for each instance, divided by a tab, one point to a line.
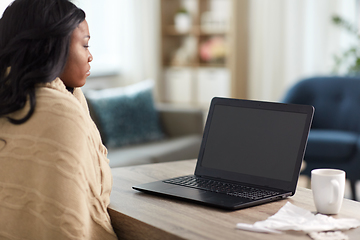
55	180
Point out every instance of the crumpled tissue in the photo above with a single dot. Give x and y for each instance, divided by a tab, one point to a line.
291	217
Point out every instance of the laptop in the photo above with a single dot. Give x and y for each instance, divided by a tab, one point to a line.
251	154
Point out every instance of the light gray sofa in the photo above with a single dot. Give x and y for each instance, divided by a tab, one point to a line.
183	130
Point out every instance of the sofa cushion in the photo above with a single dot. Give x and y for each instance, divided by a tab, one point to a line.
330	145
126	115
336	100
170	149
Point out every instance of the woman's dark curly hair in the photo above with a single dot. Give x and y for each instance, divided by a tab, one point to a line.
34	46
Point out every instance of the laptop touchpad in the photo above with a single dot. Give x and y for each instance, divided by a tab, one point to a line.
191	193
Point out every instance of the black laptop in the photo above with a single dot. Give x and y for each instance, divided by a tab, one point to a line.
251	153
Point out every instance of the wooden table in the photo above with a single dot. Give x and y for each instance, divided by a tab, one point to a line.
137	215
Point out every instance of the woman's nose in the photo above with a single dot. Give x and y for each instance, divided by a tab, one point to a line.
90	57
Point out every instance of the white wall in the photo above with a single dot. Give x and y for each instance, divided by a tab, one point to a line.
292	39
104	19
124	39
3	5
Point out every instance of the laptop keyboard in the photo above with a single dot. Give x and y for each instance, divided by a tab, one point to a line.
222	187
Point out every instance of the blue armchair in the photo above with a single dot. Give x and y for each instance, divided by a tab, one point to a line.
334	139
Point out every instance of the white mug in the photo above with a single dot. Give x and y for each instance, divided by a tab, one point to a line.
328	187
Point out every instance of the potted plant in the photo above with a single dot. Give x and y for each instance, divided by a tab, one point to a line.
350	58
182	20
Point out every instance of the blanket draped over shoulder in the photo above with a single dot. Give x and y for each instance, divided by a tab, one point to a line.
55	180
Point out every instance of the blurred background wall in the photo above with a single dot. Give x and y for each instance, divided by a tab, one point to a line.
269	45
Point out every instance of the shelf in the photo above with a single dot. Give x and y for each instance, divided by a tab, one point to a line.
171	30
181	65
196	65
220	65
195	60
195	30
213	32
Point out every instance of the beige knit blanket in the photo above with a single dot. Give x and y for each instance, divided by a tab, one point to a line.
55	180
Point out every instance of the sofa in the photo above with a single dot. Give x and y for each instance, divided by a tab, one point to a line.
136	130
334	139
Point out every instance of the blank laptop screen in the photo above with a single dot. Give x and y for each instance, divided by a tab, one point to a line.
241	138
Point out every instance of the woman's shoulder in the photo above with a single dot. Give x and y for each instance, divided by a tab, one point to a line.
54	96
55	90
58	116
56	106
